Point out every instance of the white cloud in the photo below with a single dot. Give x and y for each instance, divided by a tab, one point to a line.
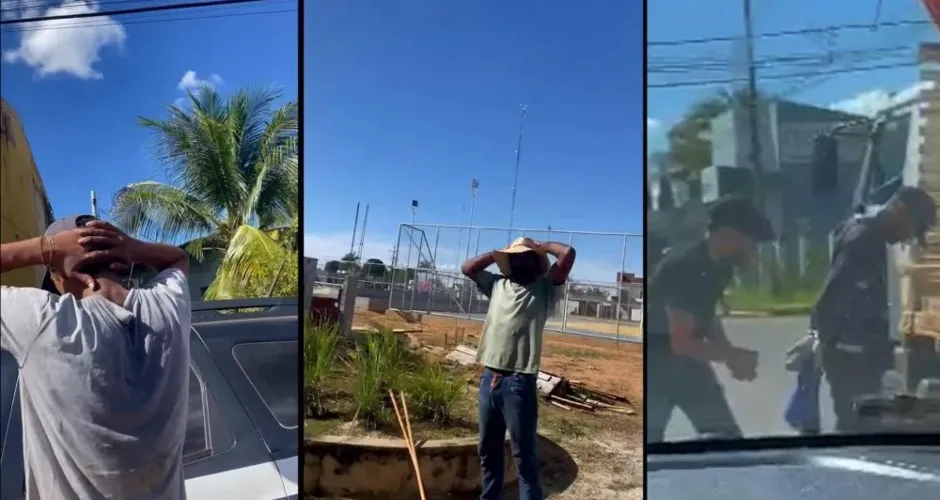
63	46
326	247
190	81
652	123
870	102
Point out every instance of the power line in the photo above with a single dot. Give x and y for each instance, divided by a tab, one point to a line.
683	65
136	10
785	33
785	76
40	4
93	24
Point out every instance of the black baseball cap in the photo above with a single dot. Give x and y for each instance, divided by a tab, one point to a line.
921	208
61	226
739	213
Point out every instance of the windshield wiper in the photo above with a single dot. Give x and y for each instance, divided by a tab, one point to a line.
792	442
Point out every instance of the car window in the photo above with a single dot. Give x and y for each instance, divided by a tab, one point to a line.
197	444
271	367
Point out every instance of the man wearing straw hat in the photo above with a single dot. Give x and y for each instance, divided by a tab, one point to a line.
521	298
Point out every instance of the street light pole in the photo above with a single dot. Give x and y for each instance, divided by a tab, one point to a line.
473	200
414	213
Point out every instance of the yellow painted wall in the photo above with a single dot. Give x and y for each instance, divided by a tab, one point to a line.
24	208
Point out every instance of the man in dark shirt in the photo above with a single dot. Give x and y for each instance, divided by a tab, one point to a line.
851	315
684	337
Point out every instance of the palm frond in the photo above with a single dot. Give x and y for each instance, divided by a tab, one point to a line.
247	263
197	150
160	212
274	188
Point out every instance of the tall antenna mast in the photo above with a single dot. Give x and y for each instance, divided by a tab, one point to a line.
362	235
515	178
352	244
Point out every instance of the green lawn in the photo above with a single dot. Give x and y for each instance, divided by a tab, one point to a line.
798	302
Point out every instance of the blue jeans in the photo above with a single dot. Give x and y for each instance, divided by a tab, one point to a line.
509	401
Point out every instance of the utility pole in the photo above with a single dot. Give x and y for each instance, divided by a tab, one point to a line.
756	156
515	178
753	110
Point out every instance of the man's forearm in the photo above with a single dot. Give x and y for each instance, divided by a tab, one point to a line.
159	256
558	250
716	334
20	254
702	350
478	263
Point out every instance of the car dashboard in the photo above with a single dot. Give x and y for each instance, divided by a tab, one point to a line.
855	473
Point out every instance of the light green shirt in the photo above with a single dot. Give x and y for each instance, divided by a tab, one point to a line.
512	332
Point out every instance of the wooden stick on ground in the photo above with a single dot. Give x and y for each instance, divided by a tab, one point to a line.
409	442
414	451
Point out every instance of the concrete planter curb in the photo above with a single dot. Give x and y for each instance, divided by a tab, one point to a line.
381	468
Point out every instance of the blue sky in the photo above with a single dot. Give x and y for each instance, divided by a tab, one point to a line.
685	19
78	92
410	100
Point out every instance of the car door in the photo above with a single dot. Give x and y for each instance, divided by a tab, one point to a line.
224	455
259	358
11	439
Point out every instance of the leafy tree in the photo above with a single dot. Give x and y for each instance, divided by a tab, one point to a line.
690	147
332	267
232	189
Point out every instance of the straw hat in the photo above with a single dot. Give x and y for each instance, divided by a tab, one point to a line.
520	245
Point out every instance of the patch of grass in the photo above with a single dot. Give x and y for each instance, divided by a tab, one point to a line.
562	426
751	299
380	362
435	394
320	351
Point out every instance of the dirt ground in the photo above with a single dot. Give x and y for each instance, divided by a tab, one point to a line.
583	455
595	363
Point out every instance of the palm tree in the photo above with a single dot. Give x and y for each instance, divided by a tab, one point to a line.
232	188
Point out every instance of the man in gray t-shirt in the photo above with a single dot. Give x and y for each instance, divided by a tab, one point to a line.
103	369
510	349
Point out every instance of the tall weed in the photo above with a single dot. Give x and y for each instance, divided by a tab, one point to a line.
380	362
434	393
320	352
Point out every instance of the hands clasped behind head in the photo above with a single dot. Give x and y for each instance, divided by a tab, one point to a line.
98	245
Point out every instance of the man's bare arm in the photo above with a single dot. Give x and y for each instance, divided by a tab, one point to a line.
564	260
20	254
682	338
716	334
474	265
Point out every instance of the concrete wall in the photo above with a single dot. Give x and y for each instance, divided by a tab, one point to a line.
381	468
25	208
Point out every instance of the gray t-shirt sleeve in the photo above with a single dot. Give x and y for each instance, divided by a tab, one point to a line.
24	313
485	281
167	295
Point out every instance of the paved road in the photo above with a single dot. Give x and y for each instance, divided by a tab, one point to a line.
758	405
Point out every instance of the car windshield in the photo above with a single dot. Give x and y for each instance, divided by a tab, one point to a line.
791	248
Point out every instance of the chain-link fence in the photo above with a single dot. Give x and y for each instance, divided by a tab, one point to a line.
603	298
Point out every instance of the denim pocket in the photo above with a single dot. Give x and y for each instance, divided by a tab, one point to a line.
521	384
